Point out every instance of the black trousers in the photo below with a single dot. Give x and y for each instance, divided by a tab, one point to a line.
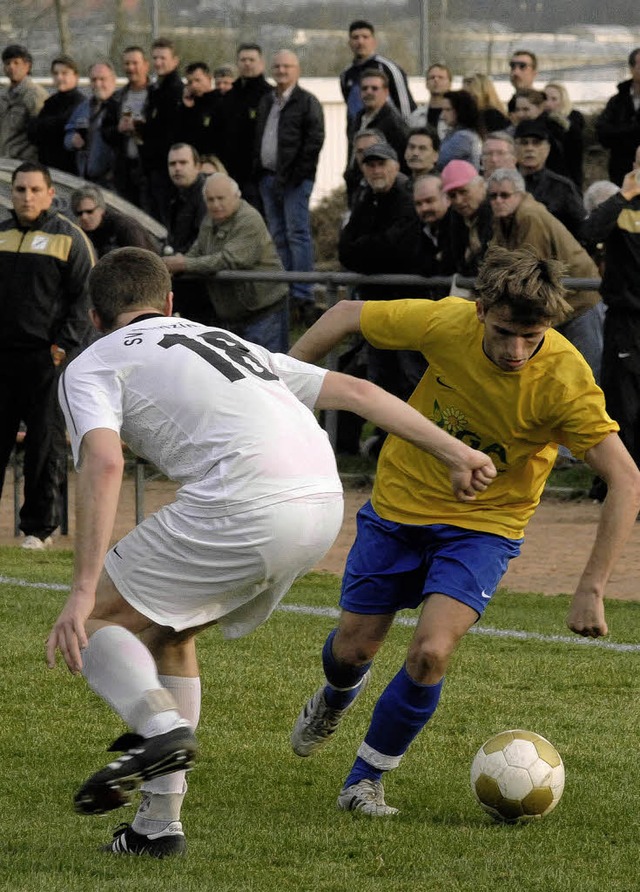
28	393
620	377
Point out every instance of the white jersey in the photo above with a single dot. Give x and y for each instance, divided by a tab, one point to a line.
229	421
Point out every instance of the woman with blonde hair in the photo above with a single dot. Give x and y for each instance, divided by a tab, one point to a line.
570	122
493	111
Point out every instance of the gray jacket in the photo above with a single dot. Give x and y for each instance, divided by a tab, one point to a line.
240	242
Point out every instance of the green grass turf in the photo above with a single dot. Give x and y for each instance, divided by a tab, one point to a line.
259	819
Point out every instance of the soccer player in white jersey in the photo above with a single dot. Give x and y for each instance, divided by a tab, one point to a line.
503	379
260	502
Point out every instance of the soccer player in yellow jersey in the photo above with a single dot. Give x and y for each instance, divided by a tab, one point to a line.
501	379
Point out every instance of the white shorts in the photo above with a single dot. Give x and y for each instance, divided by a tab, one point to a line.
182	571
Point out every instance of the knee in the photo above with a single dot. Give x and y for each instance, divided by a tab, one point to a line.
427	660
356	650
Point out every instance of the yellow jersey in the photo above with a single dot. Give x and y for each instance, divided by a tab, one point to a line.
517	418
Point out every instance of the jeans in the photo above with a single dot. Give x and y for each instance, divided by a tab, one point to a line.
270	331
287	213
586	335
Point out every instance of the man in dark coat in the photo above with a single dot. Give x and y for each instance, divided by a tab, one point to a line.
618	127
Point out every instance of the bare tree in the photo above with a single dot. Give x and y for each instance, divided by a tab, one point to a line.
62	17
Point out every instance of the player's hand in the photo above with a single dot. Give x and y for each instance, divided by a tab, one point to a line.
586	616
477	473
68	635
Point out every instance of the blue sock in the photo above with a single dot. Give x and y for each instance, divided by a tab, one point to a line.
343	679
402	711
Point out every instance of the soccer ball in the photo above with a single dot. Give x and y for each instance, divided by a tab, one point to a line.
517	776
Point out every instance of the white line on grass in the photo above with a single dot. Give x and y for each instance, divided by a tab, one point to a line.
401	620
481	630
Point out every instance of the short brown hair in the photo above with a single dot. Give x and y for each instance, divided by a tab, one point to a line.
125	279
526	284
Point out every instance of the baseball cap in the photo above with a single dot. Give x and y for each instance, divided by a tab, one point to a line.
456	174
380	151
535	128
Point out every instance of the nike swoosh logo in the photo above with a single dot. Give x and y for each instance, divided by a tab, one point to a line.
442	384
484	595
623	355
115	551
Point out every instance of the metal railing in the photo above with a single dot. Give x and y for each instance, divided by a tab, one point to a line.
334	280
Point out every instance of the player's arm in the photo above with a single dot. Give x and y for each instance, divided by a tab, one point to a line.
611	461
97	491
471	471
334	325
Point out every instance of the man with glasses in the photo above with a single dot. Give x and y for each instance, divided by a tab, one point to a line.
377	112
518	221
523	69
106	228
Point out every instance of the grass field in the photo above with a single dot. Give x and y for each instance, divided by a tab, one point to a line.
258	819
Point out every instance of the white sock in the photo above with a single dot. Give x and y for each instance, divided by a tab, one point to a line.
162	796
121	670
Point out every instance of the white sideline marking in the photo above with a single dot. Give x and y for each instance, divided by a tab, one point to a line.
515	634
482	630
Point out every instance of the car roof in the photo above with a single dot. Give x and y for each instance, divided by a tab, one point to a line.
65	184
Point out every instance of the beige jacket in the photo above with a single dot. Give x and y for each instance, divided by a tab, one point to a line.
533	225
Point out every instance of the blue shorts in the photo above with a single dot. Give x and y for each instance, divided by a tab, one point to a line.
393	566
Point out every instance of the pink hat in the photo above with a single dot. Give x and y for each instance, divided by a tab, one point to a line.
457	174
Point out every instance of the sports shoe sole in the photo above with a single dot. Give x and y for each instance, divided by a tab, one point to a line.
115	785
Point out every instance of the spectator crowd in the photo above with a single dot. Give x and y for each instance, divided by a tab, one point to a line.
226	159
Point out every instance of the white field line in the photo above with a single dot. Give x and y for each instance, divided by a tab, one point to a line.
513	634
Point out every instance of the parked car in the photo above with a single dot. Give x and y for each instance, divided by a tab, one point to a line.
65	184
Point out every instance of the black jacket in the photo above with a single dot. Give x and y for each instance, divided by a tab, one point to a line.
381	236
561	198
199	126
161	114
186	212
458	257
237	120
390	122
47	130
300	137
44	269
616	222
399	91
120	231
618	129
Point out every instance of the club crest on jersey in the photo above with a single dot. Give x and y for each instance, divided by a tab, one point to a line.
40	242
455	422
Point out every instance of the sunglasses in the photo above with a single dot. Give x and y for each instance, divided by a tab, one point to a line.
503	195
86	212
513	65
